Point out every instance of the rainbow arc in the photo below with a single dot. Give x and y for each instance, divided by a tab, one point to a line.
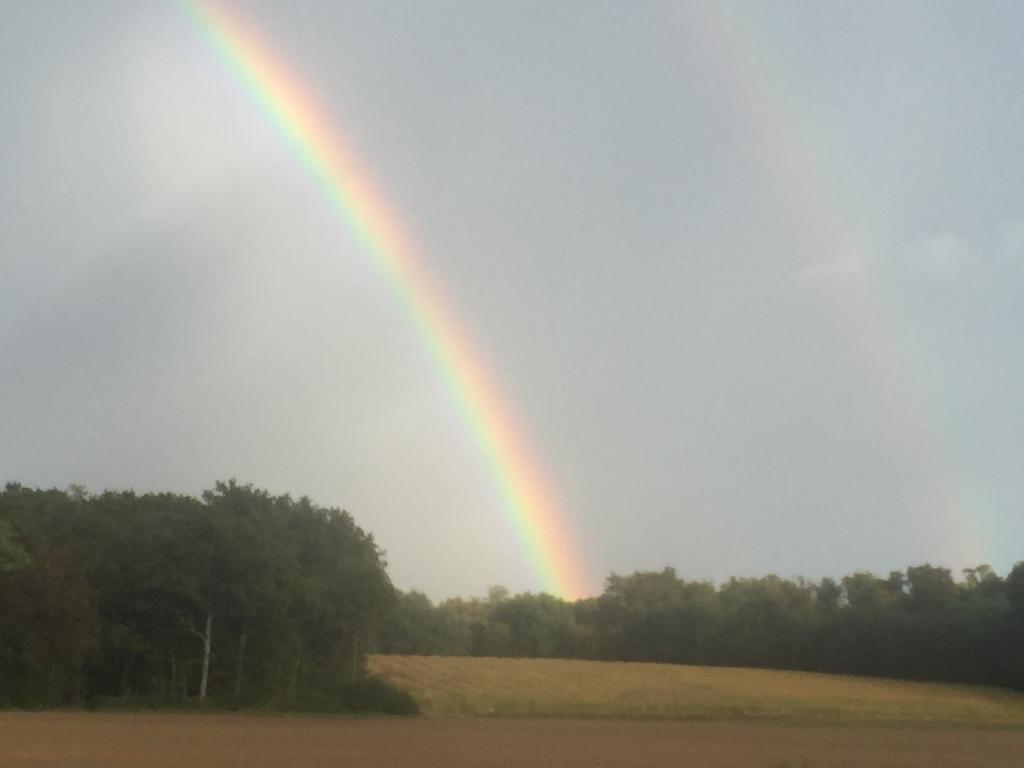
322	147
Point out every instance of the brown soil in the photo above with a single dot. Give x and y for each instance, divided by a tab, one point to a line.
85	740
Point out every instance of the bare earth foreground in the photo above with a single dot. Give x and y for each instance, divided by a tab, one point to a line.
89	740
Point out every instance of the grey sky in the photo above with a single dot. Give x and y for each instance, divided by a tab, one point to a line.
750	275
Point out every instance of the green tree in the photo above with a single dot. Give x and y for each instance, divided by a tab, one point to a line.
12	556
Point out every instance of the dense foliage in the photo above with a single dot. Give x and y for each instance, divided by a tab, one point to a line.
240	597
920	625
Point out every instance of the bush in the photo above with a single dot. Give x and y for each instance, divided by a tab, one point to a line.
369	696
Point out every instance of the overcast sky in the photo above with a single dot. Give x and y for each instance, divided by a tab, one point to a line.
751	276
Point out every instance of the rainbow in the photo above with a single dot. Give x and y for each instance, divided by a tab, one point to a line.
845	273
322	148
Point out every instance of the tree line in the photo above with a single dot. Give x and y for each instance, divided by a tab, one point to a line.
242	598
920	624
238	596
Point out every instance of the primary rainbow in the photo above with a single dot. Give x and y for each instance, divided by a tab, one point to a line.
324	151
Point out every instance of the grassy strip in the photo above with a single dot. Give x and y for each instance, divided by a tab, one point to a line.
370	696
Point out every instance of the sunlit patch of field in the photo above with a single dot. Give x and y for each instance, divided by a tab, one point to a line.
562	688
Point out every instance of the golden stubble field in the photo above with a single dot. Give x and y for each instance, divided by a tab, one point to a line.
561	688
92	740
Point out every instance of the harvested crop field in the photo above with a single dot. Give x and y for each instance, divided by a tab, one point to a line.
86	740
563	688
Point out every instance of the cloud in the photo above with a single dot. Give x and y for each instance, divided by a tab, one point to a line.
951	259
847	266
1010	241
944	256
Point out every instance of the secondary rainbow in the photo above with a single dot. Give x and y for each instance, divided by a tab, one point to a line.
846	274
323	149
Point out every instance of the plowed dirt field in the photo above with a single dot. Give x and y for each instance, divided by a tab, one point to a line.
85	740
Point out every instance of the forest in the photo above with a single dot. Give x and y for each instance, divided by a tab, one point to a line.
920	624
240	598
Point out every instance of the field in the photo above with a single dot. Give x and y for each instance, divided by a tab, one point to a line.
90	740
557	688
547	713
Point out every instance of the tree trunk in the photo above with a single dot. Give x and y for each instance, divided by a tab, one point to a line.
79	681
126	672
293	684
160	676
243	638
207	637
